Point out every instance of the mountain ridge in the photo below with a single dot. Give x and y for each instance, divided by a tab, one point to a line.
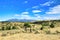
20	20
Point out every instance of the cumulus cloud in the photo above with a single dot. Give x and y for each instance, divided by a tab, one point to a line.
47	3
36	11
25	17
52	18
25	13
16	15
22	16
30	17
37	15
54	10
25	2
35	6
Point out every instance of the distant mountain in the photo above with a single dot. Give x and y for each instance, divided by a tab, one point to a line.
20	20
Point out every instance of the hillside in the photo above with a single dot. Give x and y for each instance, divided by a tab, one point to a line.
39	30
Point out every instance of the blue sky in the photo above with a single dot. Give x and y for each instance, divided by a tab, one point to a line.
29	9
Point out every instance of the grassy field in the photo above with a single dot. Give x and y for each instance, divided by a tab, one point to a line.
30	36
19	33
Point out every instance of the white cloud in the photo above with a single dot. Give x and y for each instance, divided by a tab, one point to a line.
30	17
54	10
22	16
25	17
25	1
52	18
47	3
16	15
35	6
37	16
36	11
25	13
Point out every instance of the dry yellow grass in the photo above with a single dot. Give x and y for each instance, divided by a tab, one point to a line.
31	36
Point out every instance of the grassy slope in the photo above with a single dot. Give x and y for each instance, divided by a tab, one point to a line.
32	36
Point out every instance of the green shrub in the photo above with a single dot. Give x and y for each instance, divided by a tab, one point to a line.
27	25
52	25
45	24
8	28
3	28
41	28
14	27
